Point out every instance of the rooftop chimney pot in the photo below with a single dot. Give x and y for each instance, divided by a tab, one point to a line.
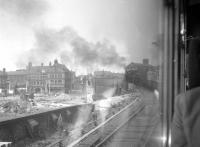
55	61
146	61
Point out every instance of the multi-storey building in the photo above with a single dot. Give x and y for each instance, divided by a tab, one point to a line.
3	81
17	79
107	83
51	78
142	74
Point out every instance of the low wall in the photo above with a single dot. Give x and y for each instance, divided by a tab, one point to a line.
23	131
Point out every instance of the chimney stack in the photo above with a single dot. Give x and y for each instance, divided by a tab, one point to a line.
55	62
146	61
29	65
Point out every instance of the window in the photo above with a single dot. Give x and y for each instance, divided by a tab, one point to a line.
59	75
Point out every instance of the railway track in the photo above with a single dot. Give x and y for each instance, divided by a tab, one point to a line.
134	133
138	130
116	129
110	126
130	127
43	129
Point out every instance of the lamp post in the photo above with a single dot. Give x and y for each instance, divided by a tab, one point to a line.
7	86
49	86
26	86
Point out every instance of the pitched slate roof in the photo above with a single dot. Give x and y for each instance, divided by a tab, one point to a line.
49	69
17	72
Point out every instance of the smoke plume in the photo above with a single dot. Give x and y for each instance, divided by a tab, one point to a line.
25	9
72	49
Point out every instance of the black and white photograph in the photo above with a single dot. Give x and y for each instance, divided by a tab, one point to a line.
99	73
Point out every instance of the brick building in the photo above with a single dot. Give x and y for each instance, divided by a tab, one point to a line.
142	74
105	81
3	82
17	79
51	78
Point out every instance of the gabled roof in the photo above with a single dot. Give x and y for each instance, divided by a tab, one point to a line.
1	72
135	66
17	72
108	74
49	69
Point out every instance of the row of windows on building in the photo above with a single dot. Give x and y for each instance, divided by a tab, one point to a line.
52	76
44	82
56	75
57	81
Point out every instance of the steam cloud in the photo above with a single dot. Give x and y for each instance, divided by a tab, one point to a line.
71	49
26	9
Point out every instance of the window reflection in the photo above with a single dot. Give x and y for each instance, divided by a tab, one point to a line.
82	72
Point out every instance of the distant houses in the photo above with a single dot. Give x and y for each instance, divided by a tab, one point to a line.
3	82
57	77
107	84
142	74
43	78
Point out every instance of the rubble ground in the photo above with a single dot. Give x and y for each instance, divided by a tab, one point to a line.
13	106
110	106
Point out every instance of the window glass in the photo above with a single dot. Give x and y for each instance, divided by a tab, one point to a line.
110	51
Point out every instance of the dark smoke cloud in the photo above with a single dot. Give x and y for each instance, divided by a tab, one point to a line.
108	55
48	42
25	9
71	49
84	51
87	53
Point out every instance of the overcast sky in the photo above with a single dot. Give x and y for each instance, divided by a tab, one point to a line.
85	35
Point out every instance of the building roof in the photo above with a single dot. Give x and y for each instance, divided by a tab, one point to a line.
17	72
135	66
108	74
49	69
1	73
